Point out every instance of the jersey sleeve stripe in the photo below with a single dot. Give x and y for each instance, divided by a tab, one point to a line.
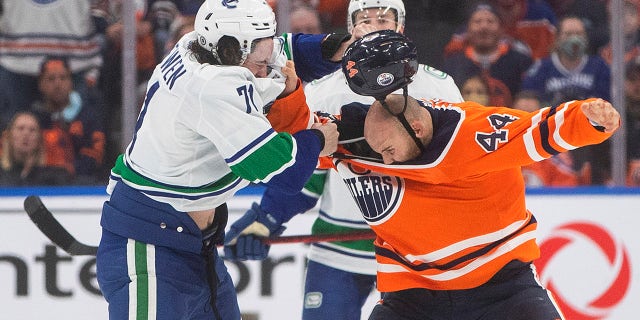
529	142
123	171
559	123
249	148
544	133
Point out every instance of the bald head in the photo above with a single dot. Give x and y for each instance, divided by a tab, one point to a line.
386	135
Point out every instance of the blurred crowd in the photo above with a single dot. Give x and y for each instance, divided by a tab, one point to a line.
60	72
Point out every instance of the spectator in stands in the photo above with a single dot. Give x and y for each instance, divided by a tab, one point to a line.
485	90
632	123
487	51
304	19
180	26
32	30
71	123
333	13
556	171
630	31
442	19
571	73
530	21
161	15
23	156
592	14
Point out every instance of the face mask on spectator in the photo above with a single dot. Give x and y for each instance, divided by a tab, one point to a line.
574	46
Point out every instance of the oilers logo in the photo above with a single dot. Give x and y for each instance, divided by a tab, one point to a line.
385	79
377	196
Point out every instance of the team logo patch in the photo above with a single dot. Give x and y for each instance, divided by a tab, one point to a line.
385	79
231	4
313	300
377	196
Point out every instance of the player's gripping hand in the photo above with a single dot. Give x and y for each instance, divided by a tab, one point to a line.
291	78
602	114
330	132
242	241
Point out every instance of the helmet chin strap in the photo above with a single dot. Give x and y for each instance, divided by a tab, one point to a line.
402	118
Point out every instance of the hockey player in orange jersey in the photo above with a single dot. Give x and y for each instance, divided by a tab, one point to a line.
440	184
447	197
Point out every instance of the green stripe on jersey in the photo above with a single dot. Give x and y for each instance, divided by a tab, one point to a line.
122	170
271	157
142	280
287	45
315	185
320	227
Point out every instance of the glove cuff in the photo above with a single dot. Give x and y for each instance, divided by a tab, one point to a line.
268	220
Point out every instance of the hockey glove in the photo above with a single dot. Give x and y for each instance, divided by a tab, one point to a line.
242	241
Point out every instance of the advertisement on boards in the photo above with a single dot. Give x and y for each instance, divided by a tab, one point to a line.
589	242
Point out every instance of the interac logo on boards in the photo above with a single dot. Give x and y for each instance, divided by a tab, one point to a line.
605	289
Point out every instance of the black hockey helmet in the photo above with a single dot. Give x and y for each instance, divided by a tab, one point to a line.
380	63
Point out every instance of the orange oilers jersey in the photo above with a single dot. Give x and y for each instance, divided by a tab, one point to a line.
455	216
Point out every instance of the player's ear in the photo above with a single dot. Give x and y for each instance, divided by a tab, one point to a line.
418	127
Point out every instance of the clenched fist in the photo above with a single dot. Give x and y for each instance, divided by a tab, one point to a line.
602	113
330	132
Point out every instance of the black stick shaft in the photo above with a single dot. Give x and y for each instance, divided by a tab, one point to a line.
47	223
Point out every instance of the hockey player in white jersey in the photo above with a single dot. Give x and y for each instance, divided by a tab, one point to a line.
352	264
202	134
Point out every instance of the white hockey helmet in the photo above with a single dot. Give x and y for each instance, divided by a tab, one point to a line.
244	20
358	5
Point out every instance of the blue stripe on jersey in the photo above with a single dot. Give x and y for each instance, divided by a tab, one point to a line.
456	262
250	146
544	132
330	219
346	253
160	193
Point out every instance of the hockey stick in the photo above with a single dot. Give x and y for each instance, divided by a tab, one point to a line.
49	225
327	237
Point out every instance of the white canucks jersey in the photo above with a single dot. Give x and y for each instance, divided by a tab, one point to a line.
338	211
201	134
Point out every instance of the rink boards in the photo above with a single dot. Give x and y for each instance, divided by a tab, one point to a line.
590	260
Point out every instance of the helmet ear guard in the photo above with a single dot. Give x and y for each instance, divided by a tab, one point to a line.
380	63
244	20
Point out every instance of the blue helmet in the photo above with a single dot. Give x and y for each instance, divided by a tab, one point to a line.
380	63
